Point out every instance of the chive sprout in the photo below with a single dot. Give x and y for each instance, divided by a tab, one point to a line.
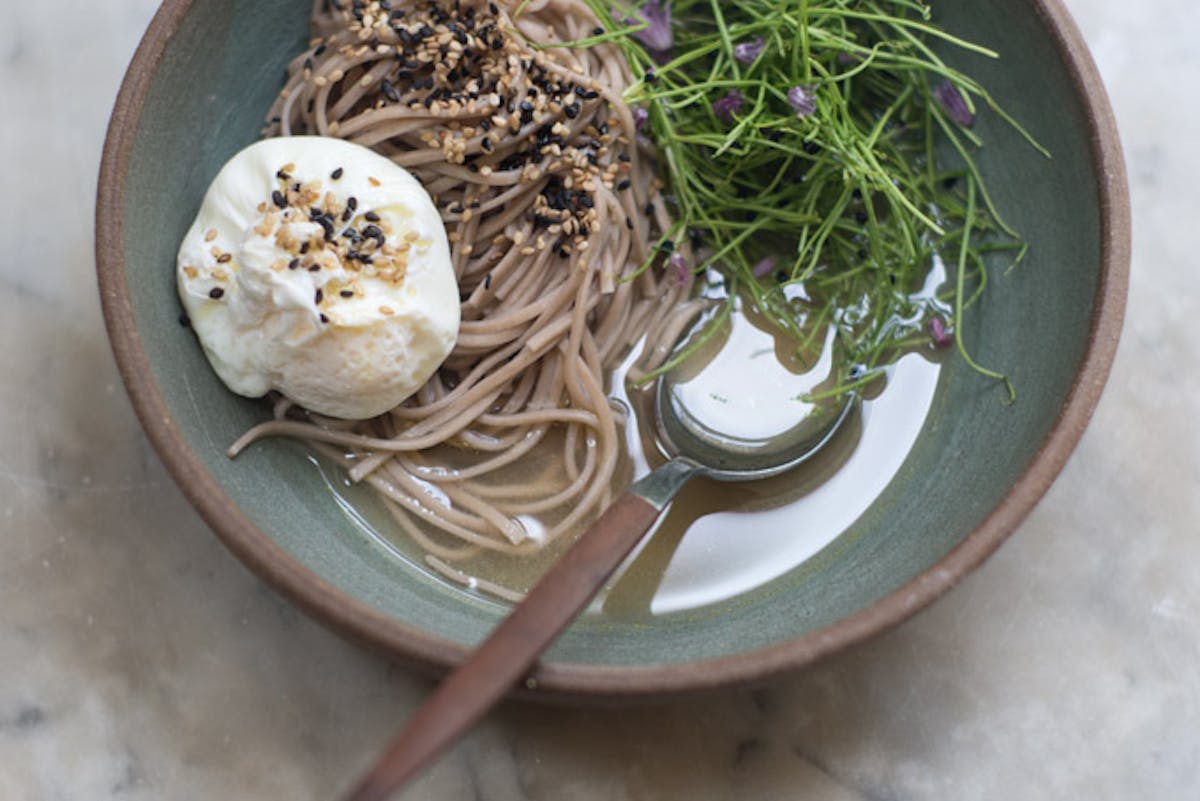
804	135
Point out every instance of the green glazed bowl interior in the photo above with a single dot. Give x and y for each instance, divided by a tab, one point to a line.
196	93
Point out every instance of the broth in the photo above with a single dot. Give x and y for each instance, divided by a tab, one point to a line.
739	536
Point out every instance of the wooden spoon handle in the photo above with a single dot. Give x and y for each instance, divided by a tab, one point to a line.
514	645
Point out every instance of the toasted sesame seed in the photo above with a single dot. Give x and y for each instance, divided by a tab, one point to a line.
387	310
210	235
373	181
224	258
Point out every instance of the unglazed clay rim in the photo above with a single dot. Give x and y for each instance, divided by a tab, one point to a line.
433	654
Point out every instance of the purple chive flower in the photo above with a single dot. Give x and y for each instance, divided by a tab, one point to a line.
748	52
764	267
640	115
803	99
680	265
729	104
657	36
953	103
938	333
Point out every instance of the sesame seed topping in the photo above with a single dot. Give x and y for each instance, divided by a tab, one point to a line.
337	174
210	235
216	293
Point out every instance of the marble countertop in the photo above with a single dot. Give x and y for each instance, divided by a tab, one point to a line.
139	659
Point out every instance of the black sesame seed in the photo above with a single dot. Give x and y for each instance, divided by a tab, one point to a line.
624	157
294	264
320	51
278	199
492	7
324	318
572	111
283	176
597	31
389	91
216	293
313	268
623	185
304	248
352	203
629	223
487	281
183	320
486	144
337	174
371	217
319	296
347	293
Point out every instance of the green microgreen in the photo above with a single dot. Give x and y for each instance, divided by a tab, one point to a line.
831	164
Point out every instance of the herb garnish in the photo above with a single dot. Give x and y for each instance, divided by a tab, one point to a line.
798	140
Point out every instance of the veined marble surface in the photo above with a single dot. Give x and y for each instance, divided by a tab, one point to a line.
139	660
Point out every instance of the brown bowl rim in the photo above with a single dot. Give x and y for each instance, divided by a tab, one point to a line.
435	655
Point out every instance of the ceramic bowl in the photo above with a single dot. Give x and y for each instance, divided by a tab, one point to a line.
196	93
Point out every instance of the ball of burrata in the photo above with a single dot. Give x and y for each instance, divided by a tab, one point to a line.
321	270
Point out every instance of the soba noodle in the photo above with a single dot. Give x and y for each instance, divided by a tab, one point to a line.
533	161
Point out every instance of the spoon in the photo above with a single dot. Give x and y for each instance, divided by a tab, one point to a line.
699	443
